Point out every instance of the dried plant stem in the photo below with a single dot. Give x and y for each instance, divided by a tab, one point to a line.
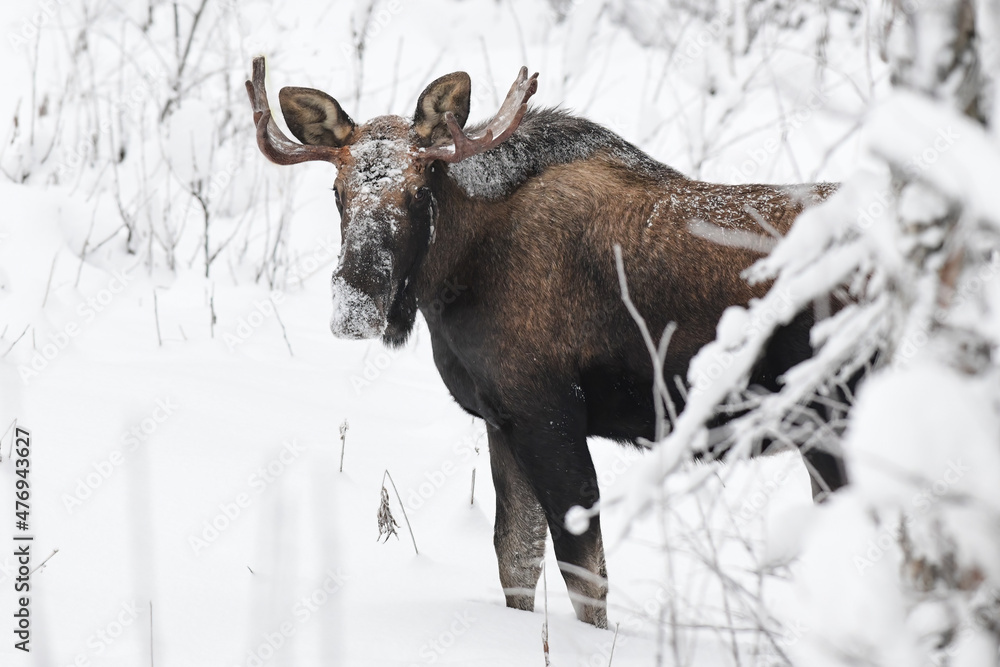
545	623
284	333
48	284
156	314
42	564
150	633
13	425
211	310
403	507
343	442
613	642
16	341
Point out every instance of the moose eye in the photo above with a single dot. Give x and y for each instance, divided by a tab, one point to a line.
336	198
421	195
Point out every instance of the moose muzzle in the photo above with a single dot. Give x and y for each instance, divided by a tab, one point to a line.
356	315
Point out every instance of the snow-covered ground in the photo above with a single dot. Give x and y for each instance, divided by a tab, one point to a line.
184	472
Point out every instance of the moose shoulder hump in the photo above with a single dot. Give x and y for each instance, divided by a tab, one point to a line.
547	137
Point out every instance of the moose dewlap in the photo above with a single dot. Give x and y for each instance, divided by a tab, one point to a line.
524	212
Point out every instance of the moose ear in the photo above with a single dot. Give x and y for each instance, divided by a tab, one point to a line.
314	117
449	93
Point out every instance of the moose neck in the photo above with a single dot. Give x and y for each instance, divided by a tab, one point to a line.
461	225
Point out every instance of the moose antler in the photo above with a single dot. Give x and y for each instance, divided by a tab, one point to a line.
272	141
495	132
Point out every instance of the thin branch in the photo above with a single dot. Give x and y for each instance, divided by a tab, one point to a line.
661	396
26	327
183	57
48	284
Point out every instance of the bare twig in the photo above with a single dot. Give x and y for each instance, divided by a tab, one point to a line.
182	57
661	396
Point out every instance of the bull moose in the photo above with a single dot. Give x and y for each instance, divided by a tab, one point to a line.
524	213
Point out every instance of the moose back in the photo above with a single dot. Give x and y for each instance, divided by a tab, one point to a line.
524	212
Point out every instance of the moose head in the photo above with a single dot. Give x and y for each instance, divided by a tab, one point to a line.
383	187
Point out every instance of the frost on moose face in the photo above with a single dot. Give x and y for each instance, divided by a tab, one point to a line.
355	314
375	232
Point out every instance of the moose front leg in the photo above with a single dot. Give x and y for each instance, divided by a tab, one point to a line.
581	558
519	532
561	474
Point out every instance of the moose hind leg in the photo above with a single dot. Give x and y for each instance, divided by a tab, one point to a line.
519	532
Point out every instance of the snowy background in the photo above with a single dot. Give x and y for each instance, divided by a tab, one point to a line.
164	300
